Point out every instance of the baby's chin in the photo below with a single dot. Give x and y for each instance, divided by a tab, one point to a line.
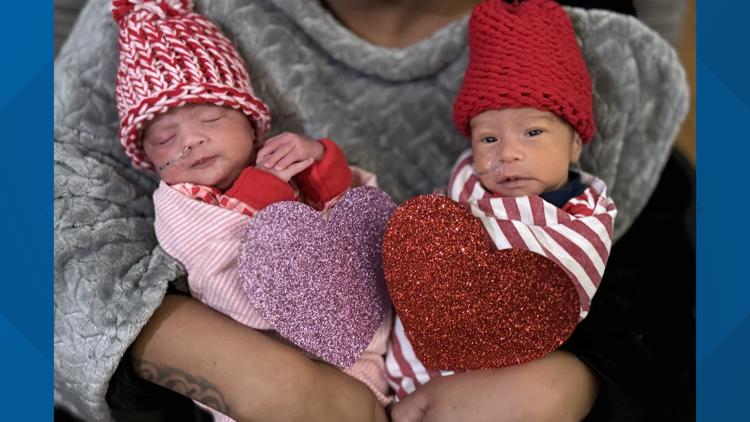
218	181
515	189
516	193
222	183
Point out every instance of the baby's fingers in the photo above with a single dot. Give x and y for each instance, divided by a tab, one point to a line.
271	159
294	156
410	409
297	168
273	144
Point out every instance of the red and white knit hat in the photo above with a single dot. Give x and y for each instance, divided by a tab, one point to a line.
171	56
525	54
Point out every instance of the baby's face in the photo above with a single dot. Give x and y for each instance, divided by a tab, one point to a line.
522	151
203	144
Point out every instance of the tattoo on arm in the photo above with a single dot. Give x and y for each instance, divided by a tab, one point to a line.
180	381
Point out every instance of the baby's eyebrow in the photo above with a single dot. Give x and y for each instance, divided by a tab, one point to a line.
210	110
547	117
159	125
477	124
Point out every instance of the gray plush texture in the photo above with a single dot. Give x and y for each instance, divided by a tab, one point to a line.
389	109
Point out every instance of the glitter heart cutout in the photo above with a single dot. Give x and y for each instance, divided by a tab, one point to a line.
319	282
463	303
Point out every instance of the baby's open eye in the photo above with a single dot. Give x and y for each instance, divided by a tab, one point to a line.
489	140
534	132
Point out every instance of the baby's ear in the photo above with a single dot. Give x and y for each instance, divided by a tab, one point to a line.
257	143
575	151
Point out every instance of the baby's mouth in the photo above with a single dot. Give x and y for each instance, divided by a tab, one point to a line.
512	182
513	179
203	162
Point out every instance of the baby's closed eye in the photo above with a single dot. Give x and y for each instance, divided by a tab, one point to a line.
211	119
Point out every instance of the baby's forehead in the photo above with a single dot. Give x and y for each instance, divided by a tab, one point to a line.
183	112
187	110
514	114
511	117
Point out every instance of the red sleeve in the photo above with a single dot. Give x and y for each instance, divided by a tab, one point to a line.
259	189
327	178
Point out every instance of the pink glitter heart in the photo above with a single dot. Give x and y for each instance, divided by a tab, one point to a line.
319	282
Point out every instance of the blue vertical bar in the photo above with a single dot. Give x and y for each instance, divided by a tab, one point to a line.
26	301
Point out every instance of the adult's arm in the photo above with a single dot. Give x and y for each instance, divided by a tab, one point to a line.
558	387
195	351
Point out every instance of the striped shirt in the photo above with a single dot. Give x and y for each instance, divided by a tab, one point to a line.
577	237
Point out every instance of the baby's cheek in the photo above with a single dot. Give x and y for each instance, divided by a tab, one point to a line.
172	176
154	158
488	181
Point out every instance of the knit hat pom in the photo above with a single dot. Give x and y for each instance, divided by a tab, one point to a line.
123	10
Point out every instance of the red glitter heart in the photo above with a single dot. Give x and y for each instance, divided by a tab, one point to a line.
463	303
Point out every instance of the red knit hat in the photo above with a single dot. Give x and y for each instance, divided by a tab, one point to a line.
171	56
525	54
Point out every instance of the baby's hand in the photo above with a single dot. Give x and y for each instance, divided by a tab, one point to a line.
289	172
287	149
411	408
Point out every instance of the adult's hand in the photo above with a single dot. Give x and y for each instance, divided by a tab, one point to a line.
558	387
200	353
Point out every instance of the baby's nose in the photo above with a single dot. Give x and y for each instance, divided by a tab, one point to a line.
508	151
193	140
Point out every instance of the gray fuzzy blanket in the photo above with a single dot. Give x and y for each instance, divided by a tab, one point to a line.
388	108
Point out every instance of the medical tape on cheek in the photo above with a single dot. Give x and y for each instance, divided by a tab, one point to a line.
185	151
491	168
182	154
492	164
489	157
